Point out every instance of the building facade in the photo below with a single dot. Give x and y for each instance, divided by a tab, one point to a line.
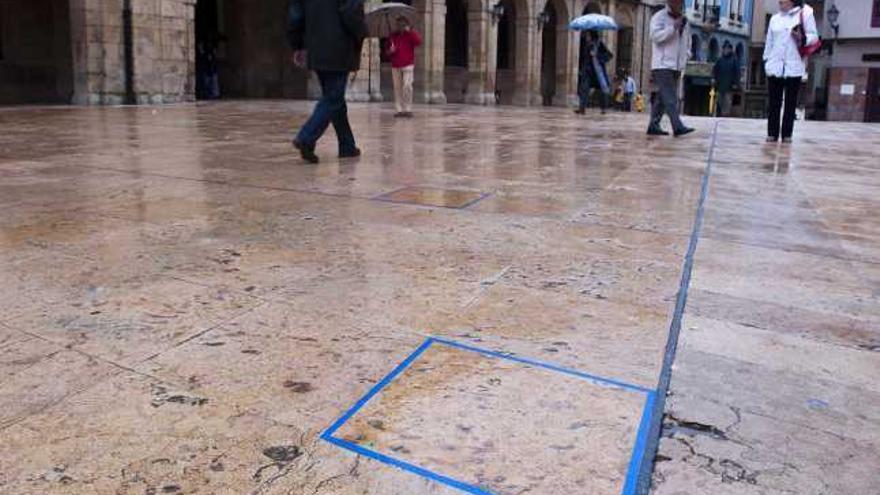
484	52
853	69
160	51
843	81
715	23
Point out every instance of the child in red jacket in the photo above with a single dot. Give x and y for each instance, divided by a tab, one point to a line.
402	51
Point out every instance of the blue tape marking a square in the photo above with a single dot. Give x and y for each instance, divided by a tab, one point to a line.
636	457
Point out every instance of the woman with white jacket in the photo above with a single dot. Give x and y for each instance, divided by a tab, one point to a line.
789	30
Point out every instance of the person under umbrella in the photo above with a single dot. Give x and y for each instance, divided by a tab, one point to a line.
594	55
402	50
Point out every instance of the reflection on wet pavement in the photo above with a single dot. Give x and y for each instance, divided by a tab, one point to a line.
185	307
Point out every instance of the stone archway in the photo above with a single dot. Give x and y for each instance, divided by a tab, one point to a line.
36	62
244	45
517	67
556	63
624	40
714	50
456	51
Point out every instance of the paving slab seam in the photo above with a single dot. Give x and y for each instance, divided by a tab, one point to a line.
372	200
120	366
196	335
646	469
764	245
61	400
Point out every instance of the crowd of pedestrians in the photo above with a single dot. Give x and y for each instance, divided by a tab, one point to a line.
328	35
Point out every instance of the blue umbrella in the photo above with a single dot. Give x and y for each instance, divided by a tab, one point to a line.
593	22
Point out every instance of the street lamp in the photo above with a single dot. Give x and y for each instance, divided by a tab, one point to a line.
833	18
497	12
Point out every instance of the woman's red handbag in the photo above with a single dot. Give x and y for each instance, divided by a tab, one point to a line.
805	49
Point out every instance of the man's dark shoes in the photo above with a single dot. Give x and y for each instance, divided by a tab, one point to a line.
685	131
657	132
306	152
350	154
580	111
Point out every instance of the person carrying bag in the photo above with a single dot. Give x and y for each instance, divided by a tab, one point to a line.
791	36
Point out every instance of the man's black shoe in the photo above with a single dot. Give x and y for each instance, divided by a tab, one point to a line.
685	131
657	132
306	152
350	154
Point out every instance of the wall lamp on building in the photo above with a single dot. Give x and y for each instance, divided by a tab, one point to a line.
834	18
543	19
497	12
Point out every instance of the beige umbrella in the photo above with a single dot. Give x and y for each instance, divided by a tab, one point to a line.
382	20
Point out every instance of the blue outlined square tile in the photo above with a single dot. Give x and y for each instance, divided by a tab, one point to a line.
490	423
432	196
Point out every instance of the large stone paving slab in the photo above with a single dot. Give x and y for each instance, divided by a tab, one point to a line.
187	308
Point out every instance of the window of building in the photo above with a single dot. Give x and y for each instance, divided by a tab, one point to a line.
875	17
696	48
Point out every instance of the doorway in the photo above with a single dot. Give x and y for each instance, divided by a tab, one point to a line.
549	20
872	102
242	51
456	51
36	56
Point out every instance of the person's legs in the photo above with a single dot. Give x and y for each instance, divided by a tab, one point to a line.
656	106
603	100
719	104
407	78
726	103
667	92
792	88
314	128
397	77
583	90
775	86
334	86
627	102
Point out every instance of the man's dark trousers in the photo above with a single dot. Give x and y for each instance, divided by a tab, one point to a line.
666	86
330	109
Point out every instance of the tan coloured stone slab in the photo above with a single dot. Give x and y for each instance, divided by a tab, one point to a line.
501	426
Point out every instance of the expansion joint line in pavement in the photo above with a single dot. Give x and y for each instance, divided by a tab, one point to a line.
646	469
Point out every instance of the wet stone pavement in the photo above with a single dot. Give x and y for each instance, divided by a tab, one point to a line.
480	304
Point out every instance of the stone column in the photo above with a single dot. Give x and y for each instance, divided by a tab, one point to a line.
96	41
566	65
367	84
491	59
481	83
430	70
610	38
528	68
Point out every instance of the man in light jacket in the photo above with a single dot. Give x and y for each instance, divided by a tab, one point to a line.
671	40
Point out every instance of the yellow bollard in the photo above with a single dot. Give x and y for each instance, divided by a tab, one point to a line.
712	96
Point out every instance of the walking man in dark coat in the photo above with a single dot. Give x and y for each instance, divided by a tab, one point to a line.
328	35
